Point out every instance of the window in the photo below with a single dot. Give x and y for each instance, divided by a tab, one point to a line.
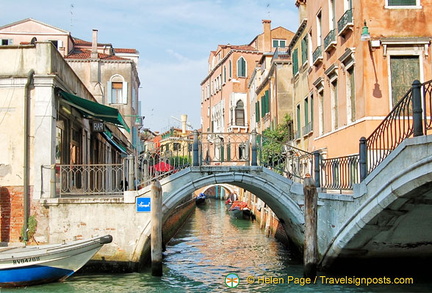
334	105
5	42
279	43
304	49
319	29
295	65
306	111
265	104
321	112
117	90
298	121
350	92
403	71
241	67
402	3
257	112
332	14
239	114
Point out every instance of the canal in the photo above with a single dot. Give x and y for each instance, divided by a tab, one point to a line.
212	253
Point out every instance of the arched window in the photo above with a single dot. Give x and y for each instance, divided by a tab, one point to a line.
240	114
117	90
241	67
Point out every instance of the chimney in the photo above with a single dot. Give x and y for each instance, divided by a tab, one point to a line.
267	36
94	53
183	119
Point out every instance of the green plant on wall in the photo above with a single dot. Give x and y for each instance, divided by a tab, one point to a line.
273	141
31	228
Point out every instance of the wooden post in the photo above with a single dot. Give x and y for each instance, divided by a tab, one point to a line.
156	231
310	257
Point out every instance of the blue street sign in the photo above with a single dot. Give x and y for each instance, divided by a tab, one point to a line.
143	204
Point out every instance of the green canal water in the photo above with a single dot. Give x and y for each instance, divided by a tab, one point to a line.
214	253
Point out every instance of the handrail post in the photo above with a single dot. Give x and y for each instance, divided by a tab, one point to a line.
254	161
195	161
317	168
363	158
417	108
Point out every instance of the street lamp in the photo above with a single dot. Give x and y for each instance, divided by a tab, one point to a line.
365	36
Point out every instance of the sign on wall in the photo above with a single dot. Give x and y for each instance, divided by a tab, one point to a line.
97	126
143	204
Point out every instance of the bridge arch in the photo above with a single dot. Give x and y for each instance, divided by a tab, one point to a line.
226	187
278	192
393	220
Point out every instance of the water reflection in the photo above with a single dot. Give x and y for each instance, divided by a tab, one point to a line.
210	246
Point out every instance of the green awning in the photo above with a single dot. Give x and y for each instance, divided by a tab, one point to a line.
95	110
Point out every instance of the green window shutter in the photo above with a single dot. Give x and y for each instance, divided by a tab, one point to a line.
257	112
295	61
125	92
267	101
241	67
402	2
304	49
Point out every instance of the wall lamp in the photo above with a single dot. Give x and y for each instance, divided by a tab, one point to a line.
365	36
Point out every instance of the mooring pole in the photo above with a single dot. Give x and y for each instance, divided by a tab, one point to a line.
156	231
310	253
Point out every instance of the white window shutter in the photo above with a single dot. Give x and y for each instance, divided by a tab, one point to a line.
108	92
125	92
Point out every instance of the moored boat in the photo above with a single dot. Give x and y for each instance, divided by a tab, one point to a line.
240	210
39	264
200	199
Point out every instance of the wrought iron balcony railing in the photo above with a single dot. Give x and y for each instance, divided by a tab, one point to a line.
345	23
317	55
330	40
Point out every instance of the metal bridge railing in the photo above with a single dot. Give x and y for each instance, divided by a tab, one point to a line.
90	179
224	148
410	117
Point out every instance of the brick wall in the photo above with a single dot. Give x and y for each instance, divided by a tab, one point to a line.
11	213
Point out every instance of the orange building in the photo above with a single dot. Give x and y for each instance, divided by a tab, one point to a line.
360	58
225	104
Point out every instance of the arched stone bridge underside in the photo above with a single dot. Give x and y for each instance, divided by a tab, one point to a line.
388	215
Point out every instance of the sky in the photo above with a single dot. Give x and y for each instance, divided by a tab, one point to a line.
174	39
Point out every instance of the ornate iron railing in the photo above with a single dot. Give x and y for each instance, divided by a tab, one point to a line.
339	173
224	148
330	40
89	179
345	22
164	160
317	55
404	121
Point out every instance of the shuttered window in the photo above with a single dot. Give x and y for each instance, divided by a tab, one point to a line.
295	62
404	70
241	67
402	2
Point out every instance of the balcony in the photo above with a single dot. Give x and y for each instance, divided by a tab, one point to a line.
317	56
345	23
330	40
307	129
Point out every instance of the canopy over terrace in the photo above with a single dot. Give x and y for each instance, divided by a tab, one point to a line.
95	110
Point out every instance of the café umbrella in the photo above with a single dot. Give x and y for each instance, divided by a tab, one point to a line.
163	167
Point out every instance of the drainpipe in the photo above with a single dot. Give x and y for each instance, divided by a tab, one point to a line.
26	196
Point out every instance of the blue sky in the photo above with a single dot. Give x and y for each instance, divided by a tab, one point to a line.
174	38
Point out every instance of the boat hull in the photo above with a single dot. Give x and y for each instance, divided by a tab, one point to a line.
46	263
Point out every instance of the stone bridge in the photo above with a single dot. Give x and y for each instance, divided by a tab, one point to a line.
388	214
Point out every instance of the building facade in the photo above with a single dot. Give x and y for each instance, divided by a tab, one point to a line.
225	102
52	124
362	57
